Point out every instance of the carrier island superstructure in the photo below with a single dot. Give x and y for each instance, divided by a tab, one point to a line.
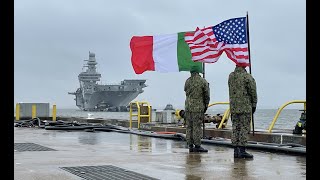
91	96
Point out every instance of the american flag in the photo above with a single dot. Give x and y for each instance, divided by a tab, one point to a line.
209	43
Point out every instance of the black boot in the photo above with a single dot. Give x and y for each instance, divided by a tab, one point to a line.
236	152
243	153
191	148
199	149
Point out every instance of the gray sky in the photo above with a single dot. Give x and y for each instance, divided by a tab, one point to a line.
53	37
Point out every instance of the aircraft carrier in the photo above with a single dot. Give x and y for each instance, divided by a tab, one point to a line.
91	96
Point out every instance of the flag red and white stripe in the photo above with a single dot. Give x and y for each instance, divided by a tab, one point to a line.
205	47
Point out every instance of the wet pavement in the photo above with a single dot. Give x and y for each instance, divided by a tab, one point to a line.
154	157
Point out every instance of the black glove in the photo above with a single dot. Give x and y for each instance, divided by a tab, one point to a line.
253	110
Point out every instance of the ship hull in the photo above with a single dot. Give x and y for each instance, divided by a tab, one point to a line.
93	96
110	99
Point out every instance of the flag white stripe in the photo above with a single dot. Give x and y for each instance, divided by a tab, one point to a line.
203	55
210	60
165	53
236	45
202	48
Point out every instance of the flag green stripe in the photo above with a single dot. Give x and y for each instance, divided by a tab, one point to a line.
184	55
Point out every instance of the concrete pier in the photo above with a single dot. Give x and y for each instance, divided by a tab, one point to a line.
154	157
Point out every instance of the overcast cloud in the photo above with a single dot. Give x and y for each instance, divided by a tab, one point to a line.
53	37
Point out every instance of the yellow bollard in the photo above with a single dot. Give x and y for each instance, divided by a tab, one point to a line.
34	111
54	113
17	111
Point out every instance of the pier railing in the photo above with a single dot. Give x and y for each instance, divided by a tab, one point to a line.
281	108
139	113
34	112
226	114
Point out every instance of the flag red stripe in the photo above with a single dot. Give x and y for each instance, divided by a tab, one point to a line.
189	34
202	52
214	56
236	61
201	46
142	54
240	49
199	36
236	58
227	50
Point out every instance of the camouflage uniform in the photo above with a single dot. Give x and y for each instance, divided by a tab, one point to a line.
242	97
196	103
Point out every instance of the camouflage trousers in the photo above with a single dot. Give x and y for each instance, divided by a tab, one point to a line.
194	132
240	128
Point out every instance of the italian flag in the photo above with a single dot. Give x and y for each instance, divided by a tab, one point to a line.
162	53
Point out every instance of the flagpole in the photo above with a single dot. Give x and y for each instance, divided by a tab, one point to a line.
203	75
203	125
203	66
248	40
203	70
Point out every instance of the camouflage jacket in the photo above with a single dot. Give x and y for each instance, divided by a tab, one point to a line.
197	93
242	91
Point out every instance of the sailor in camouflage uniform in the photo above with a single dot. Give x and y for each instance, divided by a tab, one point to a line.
243	102
196	104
